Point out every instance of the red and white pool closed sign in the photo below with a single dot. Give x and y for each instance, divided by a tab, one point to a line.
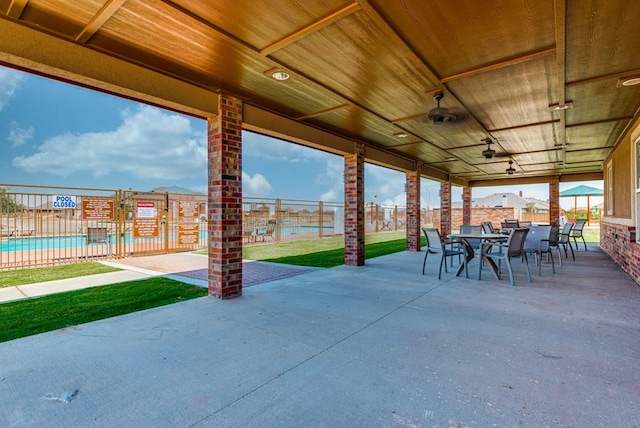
145	209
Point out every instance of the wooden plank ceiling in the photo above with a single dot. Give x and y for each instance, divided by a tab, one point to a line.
369	69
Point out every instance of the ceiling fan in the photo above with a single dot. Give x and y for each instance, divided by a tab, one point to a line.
440	115
489	153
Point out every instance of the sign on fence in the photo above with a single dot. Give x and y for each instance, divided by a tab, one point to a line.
145	228
188	228
146	209
63	202
97	209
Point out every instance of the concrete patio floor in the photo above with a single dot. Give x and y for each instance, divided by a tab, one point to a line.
380	345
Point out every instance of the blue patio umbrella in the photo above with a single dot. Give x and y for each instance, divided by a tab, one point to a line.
582	190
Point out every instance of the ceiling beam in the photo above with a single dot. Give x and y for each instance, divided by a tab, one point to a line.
619	74
501	64
599	122
526	125
99	19
16	7
560	24
63	60
316	26
323	112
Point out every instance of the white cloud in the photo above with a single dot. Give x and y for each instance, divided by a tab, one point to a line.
387	185
150	143
10	81
255	187
264	147
333	178
18	136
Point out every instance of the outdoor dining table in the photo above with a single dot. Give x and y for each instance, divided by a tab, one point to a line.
486	239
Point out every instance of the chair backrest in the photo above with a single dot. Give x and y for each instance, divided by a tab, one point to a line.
553	238
512	222
434	240
566	232
487	227
577	229
516	242
537	238
466	228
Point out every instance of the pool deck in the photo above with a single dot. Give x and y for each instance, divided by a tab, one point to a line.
378	345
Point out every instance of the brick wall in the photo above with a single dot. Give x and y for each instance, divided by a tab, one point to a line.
466	205
353	207
618	241
413	211
225	199
478	216
444	219
554	200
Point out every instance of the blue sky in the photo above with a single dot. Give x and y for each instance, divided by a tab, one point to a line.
57	134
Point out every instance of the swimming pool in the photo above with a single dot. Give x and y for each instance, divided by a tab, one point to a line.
31	243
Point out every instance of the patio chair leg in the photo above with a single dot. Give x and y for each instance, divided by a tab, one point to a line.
442	262
572	253
559	255
513	283
425	261
526	262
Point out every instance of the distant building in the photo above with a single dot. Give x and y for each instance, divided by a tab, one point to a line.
505	200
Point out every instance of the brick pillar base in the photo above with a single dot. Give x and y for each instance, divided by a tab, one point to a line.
225	199
554	201
354	207
466	205
413	211
445	208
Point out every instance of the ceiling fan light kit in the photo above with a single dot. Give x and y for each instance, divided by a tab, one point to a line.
439	115
488	153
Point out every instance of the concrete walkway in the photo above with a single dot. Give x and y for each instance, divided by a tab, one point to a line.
374	346
185	267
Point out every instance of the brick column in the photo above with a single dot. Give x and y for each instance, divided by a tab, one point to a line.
413	210
554	200
354	207
445	208
466	205
225	199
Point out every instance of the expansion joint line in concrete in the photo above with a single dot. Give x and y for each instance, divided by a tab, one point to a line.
257	388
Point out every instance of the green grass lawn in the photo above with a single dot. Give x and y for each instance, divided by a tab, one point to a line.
284	249
335	257
591	234
38	315
12	278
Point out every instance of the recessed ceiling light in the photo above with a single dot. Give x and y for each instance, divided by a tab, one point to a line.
277	73
401	134
629	81
280	75
560	107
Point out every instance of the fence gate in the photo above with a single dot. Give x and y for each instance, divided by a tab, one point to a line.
159	223
47	225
